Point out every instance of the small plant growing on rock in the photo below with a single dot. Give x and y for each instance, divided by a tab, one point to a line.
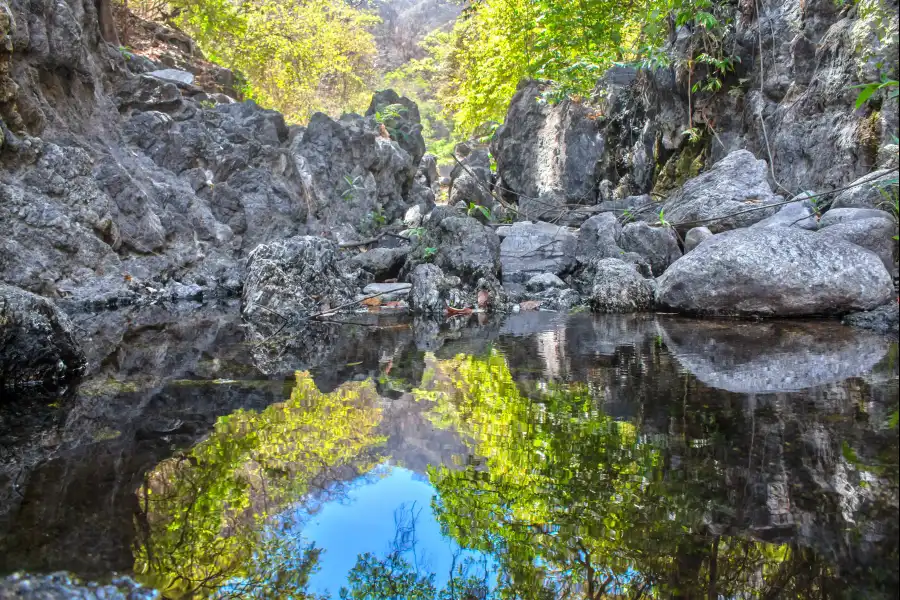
474	209
352	187
429	253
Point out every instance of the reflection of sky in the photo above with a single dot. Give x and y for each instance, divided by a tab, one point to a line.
363	521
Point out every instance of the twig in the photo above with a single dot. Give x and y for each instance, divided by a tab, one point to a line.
347	305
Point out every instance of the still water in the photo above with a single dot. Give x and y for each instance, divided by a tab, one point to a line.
539	457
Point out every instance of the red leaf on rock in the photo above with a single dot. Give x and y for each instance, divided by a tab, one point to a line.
483	299
452	312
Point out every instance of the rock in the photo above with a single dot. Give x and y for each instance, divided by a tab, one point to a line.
762	358
544	281
292	278
775	272
176	75
431	291
867	191
530	249
695	237
619	288
471	183
400	117
598	237
547	153
413	217
884	319
840	215
466	248
800	213
37	343
658	245
429	168
733	185
875	235
388	291
577	216
382	263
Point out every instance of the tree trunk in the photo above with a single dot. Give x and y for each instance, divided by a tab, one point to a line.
107	22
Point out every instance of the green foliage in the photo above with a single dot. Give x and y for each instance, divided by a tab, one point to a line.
868	90
207	519
477	209
297	56
389	113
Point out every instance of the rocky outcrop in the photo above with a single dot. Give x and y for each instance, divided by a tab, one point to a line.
547	153
799	213
775	272
400	117
459	245
118	180
470	180
37	342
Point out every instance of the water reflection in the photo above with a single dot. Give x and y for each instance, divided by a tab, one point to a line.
581	457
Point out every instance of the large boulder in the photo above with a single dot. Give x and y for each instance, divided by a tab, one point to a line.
619	288
400	117
547	153
291	279
658	245
382	263
775	272
530	249
37	344
884	319
722	197
875	235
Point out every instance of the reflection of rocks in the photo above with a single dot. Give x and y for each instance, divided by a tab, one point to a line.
60	586
770	357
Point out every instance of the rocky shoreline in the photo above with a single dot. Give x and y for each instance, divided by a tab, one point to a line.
125	183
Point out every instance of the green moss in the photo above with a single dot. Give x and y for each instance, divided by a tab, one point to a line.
685	164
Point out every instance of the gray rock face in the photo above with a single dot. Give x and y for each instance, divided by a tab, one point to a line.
695	237
382	263
658	245
840	215
547	153
867	190
388	291
598	237
431	290
293	278
529	249
884	319
733	185
619	288
875	235
471	183
406	127
775	272
37	344
467	249
753	358
800	213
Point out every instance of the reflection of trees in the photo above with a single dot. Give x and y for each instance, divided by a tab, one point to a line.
207	523
573	504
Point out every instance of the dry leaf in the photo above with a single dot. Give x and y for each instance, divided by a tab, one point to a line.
372	301
530	305
451	312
